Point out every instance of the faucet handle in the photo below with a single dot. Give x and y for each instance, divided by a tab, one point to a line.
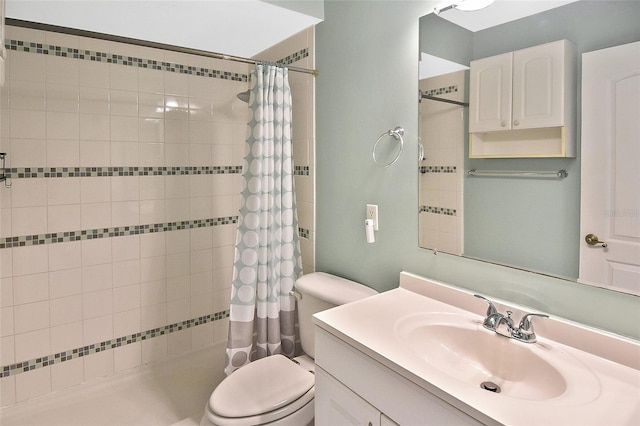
491	310
525	328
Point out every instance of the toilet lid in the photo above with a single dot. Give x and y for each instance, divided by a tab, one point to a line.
261	386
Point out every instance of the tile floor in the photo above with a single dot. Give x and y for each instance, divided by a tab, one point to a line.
173	392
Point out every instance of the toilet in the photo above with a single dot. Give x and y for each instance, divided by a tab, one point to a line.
240	399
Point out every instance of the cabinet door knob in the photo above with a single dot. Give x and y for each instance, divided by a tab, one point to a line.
503	123
516	122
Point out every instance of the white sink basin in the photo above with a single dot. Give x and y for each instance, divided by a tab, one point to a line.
460	347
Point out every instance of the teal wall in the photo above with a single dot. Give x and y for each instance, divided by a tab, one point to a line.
367	54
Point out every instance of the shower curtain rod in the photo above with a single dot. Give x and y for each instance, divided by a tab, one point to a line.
142	43
435	98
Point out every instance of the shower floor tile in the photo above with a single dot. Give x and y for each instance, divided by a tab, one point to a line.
172	392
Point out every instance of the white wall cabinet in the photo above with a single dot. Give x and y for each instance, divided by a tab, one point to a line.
522	103
354	389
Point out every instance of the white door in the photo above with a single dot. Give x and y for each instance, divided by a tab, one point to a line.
490	95
538	86
610	206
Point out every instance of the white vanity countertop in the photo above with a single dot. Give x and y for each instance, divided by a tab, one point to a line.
609	394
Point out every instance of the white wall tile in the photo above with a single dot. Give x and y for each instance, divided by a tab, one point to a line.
6	292
7	350
64	190
124	129
153	268
29	260
125	213
127	299
126	322
125	248
95	190
65	337
98	329
62	71
95	215
28	153
67	374
65	310
124	103
96	251
178	288
27	95
95	153
31	317
63	125
93	100
32	345
97	277
62	98
7	323
30	288
124	153
154	349
29	193
127	357
93	74
63	153
98	365
63	218
126	273
152	245
153	293
123	77
66	282
179	342
94	127
97	304
33	384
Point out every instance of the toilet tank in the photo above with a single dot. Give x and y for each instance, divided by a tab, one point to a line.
319	291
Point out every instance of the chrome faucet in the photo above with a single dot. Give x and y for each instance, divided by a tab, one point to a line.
504	325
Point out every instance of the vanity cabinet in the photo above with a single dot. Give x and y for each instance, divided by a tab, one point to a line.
336	404
354	389
522	103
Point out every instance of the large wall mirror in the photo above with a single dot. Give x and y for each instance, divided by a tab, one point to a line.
527	223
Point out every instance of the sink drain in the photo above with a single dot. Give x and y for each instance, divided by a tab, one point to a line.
490	386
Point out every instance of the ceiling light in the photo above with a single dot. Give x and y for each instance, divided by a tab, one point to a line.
464	5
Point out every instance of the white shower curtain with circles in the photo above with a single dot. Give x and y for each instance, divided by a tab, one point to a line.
267	255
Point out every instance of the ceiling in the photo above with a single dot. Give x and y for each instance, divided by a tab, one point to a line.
234	27
500	12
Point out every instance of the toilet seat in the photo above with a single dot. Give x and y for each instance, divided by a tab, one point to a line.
241	397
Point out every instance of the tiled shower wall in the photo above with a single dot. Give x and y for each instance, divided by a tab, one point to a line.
441	183
116	236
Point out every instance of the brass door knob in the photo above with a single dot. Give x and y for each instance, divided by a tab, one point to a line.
592	240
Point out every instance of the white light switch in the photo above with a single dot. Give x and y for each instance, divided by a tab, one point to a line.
372	213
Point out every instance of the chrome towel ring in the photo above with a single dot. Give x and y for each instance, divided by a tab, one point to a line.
397	133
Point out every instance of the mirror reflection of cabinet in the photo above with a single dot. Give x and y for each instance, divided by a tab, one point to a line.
515	92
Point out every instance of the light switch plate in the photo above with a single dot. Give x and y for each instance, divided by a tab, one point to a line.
372	213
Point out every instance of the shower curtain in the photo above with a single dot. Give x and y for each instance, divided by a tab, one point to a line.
267	255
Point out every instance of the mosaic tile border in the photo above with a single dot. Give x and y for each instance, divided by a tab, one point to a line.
112	58
119	231
68	355
441	91
60	172
438	210
301	171
132	61
294	57
438	169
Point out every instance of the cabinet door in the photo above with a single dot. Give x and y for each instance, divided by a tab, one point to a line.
539	86
336	404
490	96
